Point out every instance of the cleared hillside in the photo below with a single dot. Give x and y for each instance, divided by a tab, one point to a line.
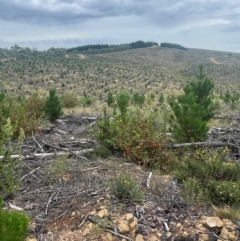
150	70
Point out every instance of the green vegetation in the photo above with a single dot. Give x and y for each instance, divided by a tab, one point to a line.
138	99
193	109
53	108
124	187
138	136
86	100
152	75
10	169
123	102
27	114
174	46
106	48
208	179
110	99
231	98
69	101
13	225
57	168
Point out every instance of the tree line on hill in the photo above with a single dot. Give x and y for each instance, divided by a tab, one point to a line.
107	48
25	53
174	46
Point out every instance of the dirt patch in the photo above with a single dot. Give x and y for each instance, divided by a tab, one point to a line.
214	61
81	56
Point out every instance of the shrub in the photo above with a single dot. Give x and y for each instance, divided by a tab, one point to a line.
206	177
27	114
58	168
69	101
86	100
124	187
138	99
138	136
53	108
10	169
13	225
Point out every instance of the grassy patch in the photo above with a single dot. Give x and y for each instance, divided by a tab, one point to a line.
58	168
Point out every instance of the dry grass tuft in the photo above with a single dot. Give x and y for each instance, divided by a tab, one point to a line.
227	212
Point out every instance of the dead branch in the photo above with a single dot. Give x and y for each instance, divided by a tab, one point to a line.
197	144
45	155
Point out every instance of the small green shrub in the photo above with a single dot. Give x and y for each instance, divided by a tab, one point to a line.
69	101
13	225
206	177
138	136
102	151
138	99
27	114
124	187
10	169
58	168
86	101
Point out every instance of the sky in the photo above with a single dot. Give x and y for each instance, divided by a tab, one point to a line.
42	24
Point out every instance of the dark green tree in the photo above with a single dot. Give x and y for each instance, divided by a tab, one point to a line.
187	123
227	97
123	102
161	99
193	109
139	99
110	99
53	108
202	89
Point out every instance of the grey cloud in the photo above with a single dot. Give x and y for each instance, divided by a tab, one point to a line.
163	13
76	22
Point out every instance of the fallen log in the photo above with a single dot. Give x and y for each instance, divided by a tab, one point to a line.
198	144
44	155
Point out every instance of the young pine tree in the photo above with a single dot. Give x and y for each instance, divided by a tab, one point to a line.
122	102
53	108
110	99
193	109
187	123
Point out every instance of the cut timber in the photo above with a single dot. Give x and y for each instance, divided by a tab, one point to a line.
44	155
198	144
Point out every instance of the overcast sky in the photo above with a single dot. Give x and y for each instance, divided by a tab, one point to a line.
205	24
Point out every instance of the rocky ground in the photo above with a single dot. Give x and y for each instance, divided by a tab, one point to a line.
71	201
